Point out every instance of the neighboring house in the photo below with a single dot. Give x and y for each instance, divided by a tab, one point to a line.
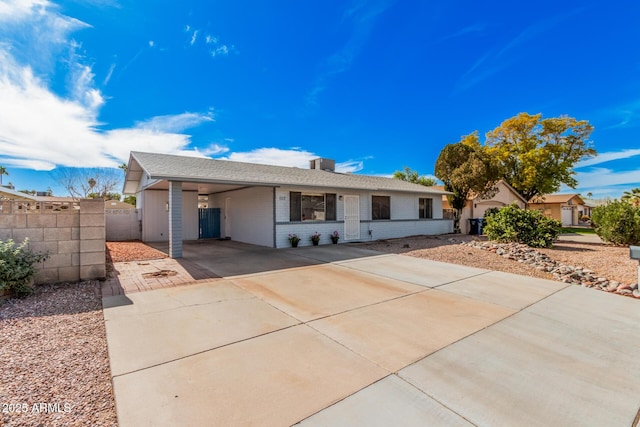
9	193
263	204
566	208
477	206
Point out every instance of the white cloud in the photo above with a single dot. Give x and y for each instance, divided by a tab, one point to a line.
175	123
109	74
350	166
40	129
194	37
602	177
15	10
214	150
274	156
608	157
152	43
220	50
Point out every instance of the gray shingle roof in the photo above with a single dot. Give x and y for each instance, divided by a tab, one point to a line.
194	169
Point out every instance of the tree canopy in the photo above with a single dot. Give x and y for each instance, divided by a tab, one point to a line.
535	155
632	196
414	177
3	171
465	169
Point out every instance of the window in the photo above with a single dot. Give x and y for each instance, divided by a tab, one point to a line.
312	207
380	207
425	208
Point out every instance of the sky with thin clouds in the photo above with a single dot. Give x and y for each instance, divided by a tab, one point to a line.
376	85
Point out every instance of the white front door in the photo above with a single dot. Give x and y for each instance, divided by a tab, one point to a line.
351	217
227	217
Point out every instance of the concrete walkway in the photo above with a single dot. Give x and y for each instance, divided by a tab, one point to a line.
340	336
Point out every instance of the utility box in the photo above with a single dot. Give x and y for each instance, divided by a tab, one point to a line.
634	253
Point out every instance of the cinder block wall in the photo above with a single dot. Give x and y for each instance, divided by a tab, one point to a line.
74	239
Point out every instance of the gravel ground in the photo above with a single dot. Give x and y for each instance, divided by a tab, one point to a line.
131	251
54	365
608	261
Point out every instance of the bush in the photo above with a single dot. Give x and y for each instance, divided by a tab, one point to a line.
18	267
617	222
512	224
585	218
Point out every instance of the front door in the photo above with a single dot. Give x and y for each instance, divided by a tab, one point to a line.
351	218
209	223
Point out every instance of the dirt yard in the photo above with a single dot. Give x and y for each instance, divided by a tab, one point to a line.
607	261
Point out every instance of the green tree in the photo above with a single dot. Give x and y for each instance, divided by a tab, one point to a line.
3	171
414	177
130	200
632	196
466	169
537	155
123	166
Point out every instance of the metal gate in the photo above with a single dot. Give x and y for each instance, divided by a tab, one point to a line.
209	223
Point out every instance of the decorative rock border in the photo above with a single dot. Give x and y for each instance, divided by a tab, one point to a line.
561	272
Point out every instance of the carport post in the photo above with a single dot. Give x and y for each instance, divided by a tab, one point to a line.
175	219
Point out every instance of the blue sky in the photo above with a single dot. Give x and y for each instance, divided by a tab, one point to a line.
376	85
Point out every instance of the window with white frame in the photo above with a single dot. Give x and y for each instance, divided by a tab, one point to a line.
312	207
425	208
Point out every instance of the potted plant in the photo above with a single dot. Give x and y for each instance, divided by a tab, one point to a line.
315	238
335	236
294	240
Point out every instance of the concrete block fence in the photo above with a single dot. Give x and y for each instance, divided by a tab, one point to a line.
72	235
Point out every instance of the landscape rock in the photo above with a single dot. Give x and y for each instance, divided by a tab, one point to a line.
577	275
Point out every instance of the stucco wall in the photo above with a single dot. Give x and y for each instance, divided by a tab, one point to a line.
155	217
250	214
404	218
122	224
74	238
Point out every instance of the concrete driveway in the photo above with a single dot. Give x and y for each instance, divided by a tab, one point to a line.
337	335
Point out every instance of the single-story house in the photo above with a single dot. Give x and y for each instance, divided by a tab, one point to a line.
264	204
566	208
476	206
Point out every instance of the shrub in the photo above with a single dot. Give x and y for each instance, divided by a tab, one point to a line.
512	224
617	222
18	267
585	218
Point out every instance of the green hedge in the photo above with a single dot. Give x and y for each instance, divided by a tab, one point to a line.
617	222
18	267
512	224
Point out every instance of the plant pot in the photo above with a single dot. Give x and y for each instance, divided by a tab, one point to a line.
294	244
334	241
315	243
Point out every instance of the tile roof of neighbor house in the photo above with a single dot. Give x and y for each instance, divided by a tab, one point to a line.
197	169
554	198
9	194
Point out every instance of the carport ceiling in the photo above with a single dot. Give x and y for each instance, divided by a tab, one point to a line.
200	187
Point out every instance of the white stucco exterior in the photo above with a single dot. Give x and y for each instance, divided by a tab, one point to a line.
250	214
404	218
155	217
